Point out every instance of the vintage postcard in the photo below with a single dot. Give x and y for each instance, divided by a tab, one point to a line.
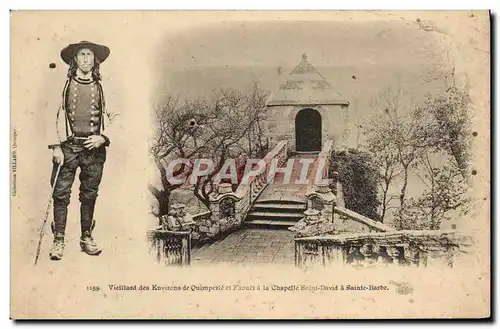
250	165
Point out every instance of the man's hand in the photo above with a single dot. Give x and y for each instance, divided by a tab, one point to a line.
57	155
94	141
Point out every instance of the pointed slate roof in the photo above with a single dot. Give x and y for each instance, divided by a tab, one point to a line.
305	86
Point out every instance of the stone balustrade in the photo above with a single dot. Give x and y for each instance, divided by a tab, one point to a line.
170	248
406	248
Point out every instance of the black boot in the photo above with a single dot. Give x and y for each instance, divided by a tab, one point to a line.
87	215
87	243
60	217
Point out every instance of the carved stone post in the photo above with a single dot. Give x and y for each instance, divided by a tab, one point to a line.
312	215
214	209
322	199
222	190
225	209
239	208
227	213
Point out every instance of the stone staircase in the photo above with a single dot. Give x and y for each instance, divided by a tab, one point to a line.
281	205
276	213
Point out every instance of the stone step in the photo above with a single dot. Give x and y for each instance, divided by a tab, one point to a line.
291	206
304	154
268	222
282	194
275	214
284	212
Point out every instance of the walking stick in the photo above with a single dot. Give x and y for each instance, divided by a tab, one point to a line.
42	229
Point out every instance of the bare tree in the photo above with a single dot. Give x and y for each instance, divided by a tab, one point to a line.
175	135
386	160
258	143
214	128
391	137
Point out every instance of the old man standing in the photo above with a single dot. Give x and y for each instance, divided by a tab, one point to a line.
79	141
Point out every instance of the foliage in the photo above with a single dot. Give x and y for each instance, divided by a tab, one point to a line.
358	175
445	192
447	126
406	140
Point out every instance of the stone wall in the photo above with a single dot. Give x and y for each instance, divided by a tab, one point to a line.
207	229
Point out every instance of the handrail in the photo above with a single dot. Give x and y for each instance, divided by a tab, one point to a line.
160	231
266	160
324	156
201	214
249	191
362	219
327	149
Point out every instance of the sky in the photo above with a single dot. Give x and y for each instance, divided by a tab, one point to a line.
359	59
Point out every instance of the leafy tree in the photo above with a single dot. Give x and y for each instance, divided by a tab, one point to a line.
358	176
404	138
445	192
447	126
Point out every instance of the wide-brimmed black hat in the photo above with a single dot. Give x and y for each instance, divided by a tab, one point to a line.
100	52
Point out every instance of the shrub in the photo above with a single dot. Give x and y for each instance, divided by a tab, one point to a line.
358	175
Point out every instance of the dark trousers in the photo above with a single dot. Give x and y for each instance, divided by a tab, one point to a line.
91	163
